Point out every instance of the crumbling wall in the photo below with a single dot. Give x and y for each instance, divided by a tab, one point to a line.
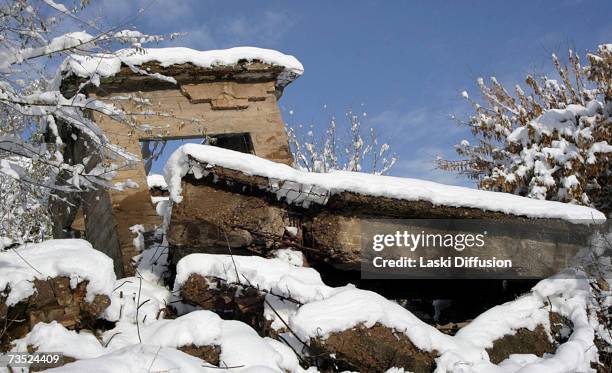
215	101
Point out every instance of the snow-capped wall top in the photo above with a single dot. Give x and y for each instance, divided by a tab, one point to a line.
107	64
73	258
316	187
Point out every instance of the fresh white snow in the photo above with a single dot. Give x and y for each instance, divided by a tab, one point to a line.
156	181
122	347
73	258
138	358
293	257
361	307
130	292
54	337
270	275
304	188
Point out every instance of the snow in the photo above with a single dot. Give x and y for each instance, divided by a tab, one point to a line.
598	147
126	295
325	310
568	296
271	275
59	7
525	312
60	43
106	65
55	337
138	241
157	181
354	307
5	242
73	258
558	153
564	121
240	346
142	338
129	183
304	188
293	257
199	328
137	359
9	169
293	231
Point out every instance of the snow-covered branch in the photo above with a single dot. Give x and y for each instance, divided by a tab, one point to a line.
552	143
345	150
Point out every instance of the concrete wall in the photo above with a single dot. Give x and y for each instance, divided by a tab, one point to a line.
334	233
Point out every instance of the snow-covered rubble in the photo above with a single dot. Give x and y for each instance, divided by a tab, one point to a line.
240	346
71	258
270	275
104	65
334	310
143	337
54	337
362	307
294	185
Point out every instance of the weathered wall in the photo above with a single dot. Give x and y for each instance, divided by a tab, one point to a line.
209	219
333	233
185	110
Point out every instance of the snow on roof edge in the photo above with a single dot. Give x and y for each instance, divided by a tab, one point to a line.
109	64
373	185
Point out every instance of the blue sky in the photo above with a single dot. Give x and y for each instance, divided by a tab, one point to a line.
404	62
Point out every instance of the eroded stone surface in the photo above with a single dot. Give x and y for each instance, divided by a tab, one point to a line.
374	349
210	354
53	300
537	342
228	301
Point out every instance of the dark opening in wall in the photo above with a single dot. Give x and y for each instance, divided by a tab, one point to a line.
240	142
157	150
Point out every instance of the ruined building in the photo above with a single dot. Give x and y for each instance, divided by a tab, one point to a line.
227	97
255	202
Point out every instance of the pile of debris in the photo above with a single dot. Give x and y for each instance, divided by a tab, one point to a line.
254	314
